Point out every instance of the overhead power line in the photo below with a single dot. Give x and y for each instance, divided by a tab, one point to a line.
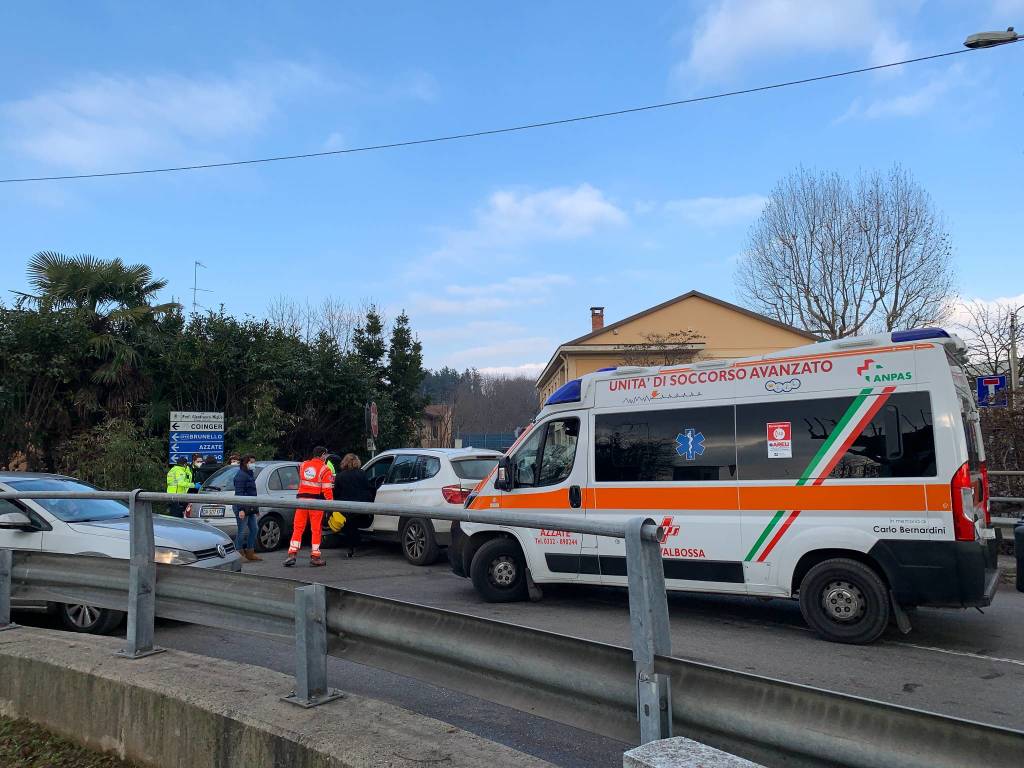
495	131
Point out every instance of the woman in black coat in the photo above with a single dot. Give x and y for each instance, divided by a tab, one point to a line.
352	484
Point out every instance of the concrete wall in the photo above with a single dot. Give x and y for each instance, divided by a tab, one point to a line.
179	709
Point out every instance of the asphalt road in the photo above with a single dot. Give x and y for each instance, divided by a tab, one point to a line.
960	663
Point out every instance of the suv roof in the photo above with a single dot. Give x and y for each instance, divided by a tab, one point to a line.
451	453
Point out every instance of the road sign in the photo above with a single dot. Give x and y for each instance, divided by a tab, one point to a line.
374	421
197	421
199	432
992	391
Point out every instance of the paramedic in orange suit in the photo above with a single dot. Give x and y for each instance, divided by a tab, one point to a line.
316	481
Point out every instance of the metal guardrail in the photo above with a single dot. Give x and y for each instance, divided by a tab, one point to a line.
1007	473
601	688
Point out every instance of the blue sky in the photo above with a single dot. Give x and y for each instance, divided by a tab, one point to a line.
496	247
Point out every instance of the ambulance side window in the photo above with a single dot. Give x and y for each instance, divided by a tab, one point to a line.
678	445
547	456
897	441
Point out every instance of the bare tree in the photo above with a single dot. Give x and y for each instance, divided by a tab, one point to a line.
333	317
839	259
986	329
670	348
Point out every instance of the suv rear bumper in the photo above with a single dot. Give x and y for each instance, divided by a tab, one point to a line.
946	574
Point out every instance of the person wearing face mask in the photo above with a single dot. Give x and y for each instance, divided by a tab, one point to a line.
245	517
234	460
194	466
206	469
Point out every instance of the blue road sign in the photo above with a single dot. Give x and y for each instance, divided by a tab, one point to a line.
992	391
199	432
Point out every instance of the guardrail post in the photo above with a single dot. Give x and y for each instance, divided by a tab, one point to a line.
141	580
311	649
648	618
6	565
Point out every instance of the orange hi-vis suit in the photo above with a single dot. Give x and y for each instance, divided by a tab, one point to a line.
316	481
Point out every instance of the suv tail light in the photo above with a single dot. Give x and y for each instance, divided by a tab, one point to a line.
963	519
985	495
455	494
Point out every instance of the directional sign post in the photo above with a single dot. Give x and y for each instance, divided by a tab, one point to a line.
196	432
992	391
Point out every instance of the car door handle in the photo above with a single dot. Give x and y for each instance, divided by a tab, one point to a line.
575	497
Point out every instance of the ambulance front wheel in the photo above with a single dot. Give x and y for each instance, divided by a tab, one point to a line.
845	601
498	571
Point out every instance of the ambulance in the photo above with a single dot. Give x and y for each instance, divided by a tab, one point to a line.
849	475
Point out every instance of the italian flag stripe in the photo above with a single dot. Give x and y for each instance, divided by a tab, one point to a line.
764	535
861	411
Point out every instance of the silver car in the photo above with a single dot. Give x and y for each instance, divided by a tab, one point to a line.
273	478
97	527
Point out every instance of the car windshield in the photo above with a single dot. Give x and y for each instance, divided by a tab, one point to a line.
224	480
474	469
72	510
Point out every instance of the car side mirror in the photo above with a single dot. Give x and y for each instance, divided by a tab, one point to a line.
16	521
379	481
503	478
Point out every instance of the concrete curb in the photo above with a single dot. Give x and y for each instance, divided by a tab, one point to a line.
180	709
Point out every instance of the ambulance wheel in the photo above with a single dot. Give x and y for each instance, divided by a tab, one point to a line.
498	571
845	601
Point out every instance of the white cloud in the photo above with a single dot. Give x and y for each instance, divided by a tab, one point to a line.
335	141
486	298
529	370
498	353
732	33
531	284
100	122
1005	10
717	211
471	330
418	85
550	214
909	104
512	219
960	318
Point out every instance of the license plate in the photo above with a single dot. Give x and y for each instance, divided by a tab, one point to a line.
211	511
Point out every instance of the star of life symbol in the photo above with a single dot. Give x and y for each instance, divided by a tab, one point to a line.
667	529
690	444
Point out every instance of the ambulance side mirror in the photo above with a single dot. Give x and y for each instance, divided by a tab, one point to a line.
503	478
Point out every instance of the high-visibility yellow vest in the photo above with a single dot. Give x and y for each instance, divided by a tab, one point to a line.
179	479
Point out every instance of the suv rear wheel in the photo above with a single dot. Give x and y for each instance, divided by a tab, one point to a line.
498	571
419	545
845	601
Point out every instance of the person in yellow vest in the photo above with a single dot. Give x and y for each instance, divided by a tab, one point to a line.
179	480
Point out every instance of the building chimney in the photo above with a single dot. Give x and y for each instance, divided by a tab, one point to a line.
596	318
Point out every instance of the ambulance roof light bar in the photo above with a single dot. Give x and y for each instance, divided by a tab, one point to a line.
570	392
917	334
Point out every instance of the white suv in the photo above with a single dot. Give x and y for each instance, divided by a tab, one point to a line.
425	477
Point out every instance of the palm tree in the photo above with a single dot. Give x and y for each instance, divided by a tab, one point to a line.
116	297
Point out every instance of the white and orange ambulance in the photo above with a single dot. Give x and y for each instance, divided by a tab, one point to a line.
849	474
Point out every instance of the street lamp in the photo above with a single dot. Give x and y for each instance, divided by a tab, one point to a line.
991	39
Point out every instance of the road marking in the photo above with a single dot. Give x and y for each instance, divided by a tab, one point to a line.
982	656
